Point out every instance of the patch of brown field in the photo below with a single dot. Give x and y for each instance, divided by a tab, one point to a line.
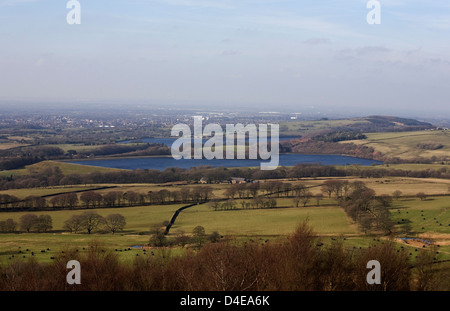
6	146
8	244
431	180
438	238
414	243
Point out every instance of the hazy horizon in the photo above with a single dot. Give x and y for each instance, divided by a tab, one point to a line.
260	55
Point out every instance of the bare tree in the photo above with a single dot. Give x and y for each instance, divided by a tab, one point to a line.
74	223
185	194
91	198
44	223
253	189
9	225
305	197
91	221
28	222
207	192
132	197
115	222
338	187
421	195
318	197
397	194
112	198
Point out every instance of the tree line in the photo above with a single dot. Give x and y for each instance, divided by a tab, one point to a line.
262	195
89	221
95	199
17	158
158	238
53	176
361	204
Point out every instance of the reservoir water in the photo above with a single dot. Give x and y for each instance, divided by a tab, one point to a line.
161	163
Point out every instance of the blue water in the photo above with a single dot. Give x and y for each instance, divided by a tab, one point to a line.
161	163
422	240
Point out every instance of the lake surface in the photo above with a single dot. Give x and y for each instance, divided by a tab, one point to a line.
161	163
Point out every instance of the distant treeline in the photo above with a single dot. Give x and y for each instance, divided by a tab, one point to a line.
430	146
328	144
39	135
88	221
111	199
18	158
54	177
324	145
387	124
340	136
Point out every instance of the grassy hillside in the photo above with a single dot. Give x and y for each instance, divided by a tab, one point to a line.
302	128
66	168
372	124
406	145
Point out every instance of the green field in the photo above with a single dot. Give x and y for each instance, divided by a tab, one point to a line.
14	246
435	211
139	218
139	221
265	222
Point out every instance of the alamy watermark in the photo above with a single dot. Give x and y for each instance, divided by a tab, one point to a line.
255	135
374	275
74	15
374	16
74	275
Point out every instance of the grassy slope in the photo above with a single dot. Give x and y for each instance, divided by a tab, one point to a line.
404	144
10	145
66	168
296	128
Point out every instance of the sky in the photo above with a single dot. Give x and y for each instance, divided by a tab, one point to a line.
263	54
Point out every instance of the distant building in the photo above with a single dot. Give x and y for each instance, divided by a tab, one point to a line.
203	180
237	180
